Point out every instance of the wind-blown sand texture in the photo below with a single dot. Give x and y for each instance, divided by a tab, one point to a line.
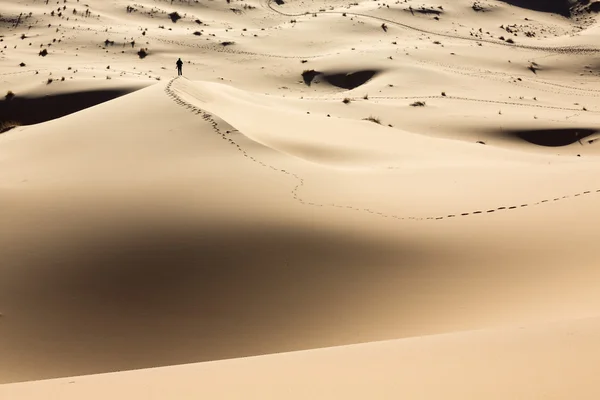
337	200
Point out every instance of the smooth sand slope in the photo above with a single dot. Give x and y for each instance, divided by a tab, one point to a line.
245	209
488	364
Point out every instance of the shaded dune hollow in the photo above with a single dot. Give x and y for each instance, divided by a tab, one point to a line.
562	7
343	80
170	295
551	137
28	110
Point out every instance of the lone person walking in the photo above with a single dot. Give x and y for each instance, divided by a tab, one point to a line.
179	67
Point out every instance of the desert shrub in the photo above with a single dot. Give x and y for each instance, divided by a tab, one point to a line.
9	95
22	64
6	126
373	119
418	104
175	16
509	40
142	53
308	75
227	43
44	53
347	100
198	33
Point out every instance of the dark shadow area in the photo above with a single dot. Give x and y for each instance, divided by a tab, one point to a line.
343	80
161	295
34	110
551	137
562	7
594	7
350	80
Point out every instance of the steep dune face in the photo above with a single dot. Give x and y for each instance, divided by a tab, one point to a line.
34	110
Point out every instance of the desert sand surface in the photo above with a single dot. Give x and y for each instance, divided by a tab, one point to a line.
336	200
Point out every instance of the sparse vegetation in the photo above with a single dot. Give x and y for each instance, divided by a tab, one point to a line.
418	104
198	33
384	27
347	100
533	68
174	16
44	53
49	81
9	95
373	119
143	53
22	64
308	75
444	94
477	6
366	97
227	43
6	126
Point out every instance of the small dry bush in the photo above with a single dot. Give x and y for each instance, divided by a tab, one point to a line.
373	119
6	126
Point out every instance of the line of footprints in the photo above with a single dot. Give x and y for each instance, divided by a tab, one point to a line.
300	182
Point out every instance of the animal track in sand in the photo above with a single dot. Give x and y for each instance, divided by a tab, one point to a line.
300	181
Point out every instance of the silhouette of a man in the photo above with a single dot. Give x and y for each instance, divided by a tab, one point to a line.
179	67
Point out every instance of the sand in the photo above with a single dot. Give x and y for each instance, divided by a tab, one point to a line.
334	200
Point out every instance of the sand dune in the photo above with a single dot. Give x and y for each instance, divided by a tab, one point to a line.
323	177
